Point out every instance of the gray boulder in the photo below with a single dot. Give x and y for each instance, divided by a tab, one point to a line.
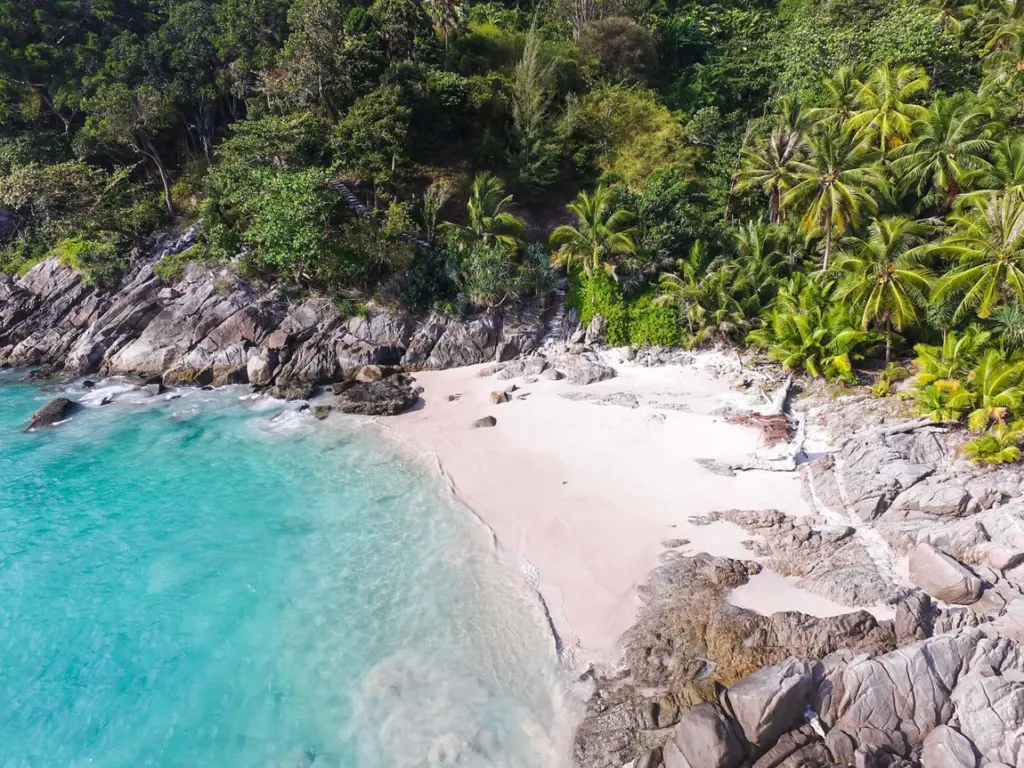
943	577
705	738
586	369
946	747
486	421
596	331
771	701
54	411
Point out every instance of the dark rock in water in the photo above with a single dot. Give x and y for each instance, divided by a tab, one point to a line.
486	421
88	384
56	410
304	407
299	390
377	398
44	371
154	385
107	400
321	412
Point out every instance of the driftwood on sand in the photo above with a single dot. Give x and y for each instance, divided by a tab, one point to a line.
776	427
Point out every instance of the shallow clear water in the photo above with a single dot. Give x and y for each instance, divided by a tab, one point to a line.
195	582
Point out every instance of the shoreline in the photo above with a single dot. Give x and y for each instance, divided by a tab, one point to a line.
592	490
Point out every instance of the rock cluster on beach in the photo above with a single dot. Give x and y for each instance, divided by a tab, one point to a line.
900	520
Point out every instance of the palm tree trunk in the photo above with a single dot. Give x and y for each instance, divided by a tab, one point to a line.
774	214
888	339
828	239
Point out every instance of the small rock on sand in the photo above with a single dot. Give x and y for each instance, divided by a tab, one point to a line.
499	397
486	421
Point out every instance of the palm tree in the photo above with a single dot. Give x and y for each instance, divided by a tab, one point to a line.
770	166
952	15
883	277
1003	31
842	89
885	105
988	242
602	231
706	303
489	219
950	143
1004	175
447	16
762	263
834	185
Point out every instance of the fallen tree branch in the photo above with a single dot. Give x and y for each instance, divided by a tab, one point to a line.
777	403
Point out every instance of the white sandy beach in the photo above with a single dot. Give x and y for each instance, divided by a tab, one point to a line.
587	493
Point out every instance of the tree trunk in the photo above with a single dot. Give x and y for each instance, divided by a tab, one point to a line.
828	239
147	149
888	339
774	214
45	98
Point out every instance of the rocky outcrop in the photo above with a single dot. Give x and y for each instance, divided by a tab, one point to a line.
953	700
378	398
213	327
54	411
687	643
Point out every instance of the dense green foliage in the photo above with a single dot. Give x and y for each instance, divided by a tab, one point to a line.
835	182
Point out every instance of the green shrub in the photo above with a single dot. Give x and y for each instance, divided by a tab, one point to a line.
97	261
1000	445
171	268
632	322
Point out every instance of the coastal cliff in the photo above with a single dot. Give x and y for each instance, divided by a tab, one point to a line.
213	327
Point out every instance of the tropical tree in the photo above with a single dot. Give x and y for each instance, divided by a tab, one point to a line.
834	185
447	16
1003	30
987	241
490	221
841	91
602	231
771	166
706	302
953	15
757	249
883	278
949	144
1003	175
886	108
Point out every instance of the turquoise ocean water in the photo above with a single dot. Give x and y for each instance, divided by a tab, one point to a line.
216	581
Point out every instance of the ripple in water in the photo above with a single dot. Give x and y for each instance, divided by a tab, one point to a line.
193	582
